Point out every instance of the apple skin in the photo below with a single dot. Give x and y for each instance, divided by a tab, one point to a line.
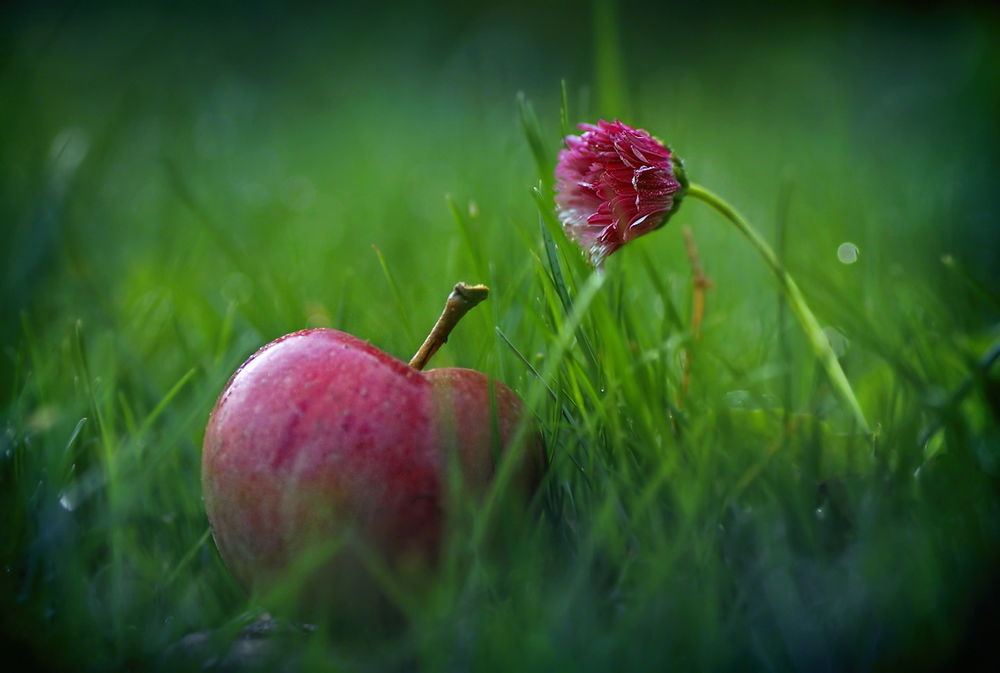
320	432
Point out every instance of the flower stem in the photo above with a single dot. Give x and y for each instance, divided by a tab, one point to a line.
814	333
462	298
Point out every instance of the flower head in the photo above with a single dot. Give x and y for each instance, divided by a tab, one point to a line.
615	183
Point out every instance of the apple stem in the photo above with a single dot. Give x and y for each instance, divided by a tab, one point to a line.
462	298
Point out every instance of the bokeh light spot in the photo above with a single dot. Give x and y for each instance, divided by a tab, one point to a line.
848	253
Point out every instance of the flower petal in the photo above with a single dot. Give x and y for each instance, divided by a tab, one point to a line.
614	183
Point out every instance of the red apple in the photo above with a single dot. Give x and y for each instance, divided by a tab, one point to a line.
320	432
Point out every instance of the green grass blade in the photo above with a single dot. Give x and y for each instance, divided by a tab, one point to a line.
165	401
401	305
536	141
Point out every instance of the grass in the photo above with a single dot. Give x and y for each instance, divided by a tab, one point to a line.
195	187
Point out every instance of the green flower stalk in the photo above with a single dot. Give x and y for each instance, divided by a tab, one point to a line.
615	183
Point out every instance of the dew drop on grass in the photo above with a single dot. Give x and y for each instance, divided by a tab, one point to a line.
82	489
737	398
68	150
838	342
66	501
298	193
848	253
237	288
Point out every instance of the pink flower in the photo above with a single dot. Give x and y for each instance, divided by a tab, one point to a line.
615	183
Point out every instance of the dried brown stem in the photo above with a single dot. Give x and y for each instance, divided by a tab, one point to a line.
462	298
699	285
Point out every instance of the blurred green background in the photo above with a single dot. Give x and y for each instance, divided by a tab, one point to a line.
181	184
